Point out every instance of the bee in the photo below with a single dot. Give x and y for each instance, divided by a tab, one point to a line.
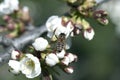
60	42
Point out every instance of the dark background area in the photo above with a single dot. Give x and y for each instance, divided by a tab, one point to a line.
98	59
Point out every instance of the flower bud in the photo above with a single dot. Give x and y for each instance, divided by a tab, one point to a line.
11	26
75	58
15	66
71	57
61	54
65	61
103	21
76	31
40	44
89	33
6	18
15	54
69	70
51	59
101	16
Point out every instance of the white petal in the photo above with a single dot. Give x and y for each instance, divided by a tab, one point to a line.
71	57
14	4
34	74
37	69
15	65
52	23
61	54
50	34
62	29
51	59
4	9
25	69
50	62
8	6
30	71
70	27
35	59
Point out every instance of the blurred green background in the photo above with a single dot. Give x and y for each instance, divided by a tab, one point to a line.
98	59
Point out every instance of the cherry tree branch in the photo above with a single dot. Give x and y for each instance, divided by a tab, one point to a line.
19	43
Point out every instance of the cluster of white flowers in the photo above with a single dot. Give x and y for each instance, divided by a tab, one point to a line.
52	59
30	65
9	6
55	27
27	64
43	54
68	59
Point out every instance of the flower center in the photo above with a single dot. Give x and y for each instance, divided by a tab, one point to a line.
30	63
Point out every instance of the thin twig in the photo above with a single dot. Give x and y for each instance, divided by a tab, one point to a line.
19	43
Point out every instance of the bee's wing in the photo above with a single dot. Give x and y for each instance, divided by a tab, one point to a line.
68	43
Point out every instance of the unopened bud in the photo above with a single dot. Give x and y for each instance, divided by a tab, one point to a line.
69	70
15	54
11	26
71	57
65	61
89	33
6	18
103	21
101	16
75	58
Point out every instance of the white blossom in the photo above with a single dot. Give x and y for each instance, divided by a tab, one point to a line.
64	29
61	54
15	54
55	27
15	66
89	34
51	59
8	6
40	44
30	66
52	23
